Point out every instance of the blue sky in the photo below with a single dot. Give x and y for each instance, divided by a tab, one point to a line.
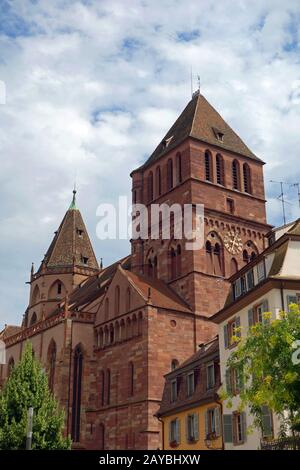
92	86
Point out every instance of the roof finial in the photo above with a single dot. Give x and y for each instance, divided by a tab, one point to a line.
199	83
101	263
73	203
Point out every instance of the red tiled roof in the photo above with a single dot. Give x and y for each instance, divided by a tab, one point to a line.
201	121
161	294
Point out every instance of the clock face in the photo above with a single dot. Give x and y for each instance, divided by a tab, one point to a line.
233	243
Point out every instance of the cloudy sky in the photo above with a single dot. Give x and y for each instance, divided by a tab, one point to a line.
92	86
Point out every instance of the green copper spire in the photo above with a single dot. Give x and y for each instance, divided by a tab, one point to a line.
73	203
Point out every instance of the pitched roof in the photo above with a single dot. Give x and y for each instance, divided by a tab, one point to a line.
161	294
9	330
71	245
295	229
201	121
197	363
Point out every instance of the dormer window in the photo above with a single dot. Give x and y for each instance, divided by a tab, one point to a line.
166	142
218	134
84	260
80	232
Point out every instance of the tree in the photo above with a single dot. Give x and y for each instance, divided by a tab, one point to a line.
270	365
27	386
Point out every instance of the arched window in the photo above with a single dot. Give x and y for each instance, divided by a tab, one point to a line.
101	436
130	379
169	174
106	309
208	166
158	181
220	169
173	263
77	384
150	186
233	266
253	255
111	334
100	338
178	169
140	323
33	319
128	299
214	255
134	325
245	256
52	362
247	178
10	366
209	259
174	364
122	330
217	260
128	328
236	175
117	334
117	300
56	290
35	295
102	388
108	377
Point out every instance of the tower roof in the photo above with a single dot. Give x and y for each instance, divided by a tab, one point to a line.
201	121
71	245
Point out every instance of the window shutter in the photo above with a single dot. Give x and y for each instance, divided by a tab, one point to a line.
244	426
170	432
217	421
196	426
177	430
237	325
206	423
265	309
267	422
187	429
291	299
240	377
227	428
226	342
251	317
228	381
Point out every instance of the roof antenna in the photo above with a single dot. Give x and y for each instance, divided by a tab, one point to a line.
281	197
297	185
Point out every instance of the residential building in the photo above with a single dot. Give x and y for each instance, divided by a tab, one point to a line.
268	283
190	410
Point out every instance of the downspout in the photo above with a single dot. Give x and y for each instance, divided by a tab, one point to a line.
163	432
282	296
221	423
69	385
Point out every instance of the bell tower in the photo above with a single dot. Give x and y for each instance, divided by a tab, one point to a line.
69	260
201	160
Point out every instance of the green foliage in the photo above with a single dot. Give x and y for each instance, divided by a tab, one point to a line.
28	386
271	377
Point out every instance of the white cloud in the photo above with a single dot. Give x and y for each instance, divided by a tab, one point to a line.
93	86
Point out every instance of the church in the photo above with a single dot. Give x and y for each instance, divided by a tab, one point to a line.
107	336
